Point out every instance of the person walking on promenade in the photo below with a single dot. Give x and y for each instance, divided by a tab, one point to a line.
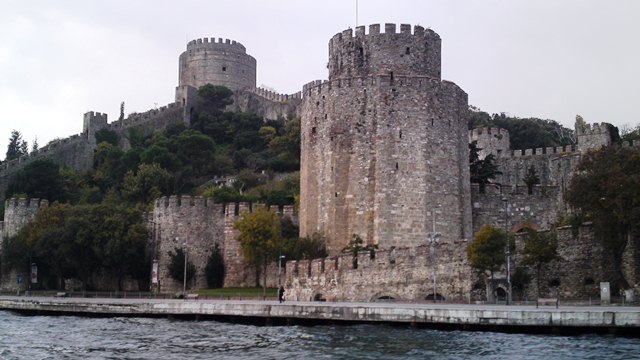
281	294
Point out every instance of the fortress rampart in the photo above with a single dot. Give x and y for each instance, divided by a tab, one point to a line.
399	273
17	212
198	224
538	210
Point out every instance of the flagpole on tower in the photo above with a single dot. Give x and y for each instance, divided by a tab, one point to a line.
356	13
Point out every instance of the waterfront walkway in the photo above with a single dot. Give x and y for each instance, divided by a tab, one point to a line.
517	318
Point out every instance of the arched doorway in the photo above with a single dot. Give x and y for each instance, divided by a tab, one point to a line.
501	294
438	297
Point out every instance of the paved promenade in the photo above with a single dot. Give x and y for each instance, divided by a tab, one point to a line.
613	319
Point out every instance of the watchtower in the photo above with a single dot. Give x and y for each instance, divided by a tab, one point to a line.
384	143
222	62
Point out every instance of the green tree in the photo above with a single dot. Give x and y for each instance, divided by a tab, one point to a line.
531	179
539	249
606	191
215	268
285	147
123	239
38	179
487	252
176	266
481	170
16	147
149	182
108	136
259	238
108	167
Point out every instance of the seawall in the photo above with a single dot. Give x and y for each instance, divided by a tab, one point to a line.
612	319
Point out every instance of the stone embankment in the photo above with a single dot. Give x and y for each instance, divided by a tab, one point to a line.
611	319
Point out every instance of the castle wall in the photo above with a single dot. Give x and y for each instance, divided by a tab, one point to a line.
74	151
490	141
401	273
201	224
217	62
17	213
538	210
191	220
593	136
582	265
267	104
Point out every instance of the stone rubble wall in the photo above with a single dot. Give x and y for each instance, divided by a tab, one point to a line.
539	210
400	273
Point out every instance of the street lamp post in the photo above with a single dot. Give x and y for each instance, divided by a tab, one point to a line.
433	237
280	258
184	282
507	250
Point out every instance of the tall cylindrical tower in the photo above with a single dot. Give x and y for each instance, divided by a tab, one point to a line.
222	62
384	143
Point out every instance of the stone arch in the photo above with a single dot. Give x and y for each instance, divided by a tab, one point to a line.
500	292
438	297
319	297
523	225
384	296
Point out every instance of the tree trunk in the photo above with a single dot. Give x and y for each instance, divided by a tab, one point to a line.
264	282
490	298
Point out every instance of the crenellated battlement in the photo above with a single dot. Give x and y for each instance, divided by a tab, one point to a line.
175	201
31	203
558	150
213	43
18	212
389	29
383	260
592	129
477	133
401	53
216	61
274	96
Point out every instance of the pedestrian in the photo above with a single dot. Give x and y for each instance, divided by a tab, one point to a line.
281	294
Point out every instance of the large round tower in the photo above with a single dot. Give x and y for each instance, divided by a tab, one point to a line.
384	143
222	62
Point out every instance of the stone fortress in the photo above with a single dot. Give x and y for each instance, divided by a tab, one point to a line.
384	156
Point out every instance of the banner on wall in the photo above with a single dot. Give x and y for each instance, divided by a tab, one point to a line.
154	273
34	273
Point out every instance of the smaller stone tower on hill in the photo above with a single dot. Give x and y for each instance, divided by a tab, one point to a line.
221	62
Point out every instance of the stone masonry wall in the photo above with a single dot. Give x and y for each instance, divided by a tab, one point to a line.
582	265
201	224
538	210
17	213
400	273
192	220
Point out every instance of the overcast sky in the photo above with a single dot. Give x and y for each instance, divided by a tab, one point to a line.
545	58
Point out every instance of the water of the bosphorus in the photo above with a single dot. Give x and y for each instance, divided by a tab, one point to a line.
69	337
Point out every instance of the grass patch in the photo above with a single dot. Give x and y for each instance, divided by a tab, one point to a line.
238	292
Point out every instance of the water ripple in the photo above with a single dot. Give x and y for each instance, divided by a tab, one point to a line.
67	337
